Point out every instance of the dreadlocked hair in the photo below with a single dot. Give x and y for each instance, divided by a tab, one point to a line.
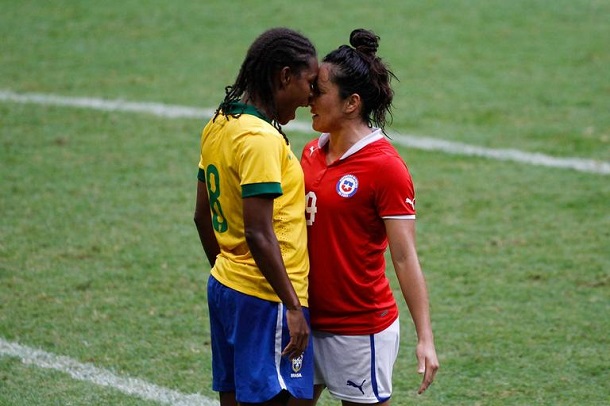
270	52
358	69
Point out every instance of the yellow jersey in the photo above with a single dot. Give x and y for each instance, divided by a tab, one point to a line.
246	156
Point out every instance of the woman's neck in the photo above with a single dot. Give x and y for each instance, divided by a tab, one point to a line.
246	99
343	139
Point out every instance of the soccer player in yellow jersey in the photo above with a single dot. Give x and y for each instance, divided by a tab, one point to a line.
250	219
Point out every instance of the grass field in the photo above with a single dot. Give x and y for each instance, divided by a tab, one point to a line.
99	257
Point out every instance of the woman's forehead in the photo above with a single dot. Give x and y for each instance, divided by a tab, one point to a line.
324	73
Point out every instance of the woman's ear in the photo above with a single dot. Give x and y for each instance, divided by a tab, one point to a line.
285	76
352	103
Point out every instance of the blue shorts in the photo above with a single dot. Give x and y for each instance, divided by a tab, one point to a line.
247	341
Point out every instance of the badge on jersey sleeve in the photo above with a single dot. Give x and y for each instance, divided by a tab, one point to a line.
347	186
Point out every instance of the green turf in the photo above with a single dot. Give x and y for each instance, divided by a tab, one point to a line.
99	258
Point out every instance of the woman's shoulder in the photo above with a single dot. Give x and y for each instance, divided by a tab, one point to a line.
384	151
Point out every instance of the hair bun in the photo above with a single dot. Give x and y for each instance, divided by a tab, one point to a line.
364	41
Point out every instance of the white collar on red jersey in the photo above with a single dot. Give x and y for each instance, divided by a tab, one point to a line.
376	135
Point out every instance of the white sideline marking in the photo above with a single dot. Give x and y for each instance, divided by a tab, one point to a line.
156	109
413	141
98	376
458	148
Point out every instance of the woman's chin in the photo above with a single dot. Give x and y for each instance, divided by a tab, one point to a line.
286	119
319	129
314	124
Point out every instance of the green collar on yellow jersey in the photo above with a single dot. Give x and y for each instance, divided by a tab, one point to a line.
237	108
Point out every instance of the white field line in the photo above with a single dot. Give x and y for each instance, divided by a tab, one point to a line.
98	376
156	109
412	141
458	148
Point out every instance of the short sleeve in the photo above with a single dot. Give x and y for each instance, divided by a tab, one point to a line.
395	195
260	165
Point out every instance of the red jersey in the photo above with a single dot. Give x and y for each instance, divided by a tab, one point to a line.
347	202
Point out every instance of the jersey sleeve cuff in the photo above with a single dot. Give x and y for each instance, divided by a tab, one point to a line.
201	175
270	189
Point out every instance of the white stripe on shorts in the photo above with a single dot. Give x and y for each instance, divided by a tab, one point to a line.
357	368
278	344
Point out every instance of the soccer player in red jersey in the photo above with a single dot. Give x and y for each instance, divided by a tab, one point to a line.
360	200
